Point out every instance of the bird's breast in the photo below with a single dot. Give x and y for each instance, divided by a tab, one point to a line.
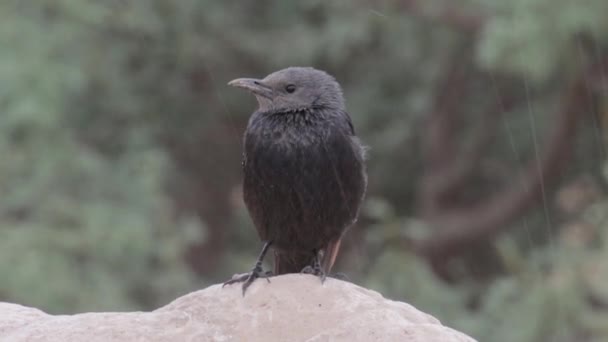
303	184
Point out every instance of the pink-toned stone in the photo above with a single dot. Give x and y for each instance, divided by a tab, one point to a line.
291	308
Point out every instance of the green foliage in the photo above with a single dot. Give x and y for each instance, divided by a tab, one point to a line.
535	38
555	293
79	230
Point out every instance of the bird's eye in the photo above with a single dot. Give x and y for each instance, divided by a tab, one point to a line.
290	88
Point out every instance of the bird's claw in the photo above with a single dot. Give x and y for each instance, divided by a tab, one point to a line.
316	270
248	278
319	272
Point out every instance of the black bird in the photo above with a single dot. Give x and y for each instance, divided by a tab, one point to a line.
304	172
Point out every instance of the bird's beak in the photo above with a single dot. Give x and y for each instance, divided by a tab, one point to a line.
255	86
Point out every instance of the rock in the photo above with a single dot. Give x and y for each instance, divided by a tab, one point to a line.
294	307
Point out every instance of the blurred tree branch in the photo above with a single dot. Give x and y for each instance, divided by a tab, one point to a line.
463	227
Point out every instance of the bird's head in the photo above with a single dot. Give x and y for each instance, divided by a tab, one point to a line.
294	88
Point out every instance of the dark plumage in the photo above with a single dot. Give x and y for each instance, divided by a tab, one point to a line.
304	173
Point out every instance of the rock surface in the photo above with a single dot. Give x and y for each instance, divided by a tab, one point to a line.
290	308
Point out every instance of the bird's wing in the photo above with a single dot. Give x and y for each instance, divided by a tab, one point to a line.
329	255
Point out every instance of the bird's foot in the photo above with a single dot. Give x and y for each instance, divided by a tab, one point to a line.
248	278
312	270
315	269
256	272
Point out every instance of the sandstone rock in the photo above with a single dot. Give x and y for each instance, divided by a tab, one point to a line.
290	308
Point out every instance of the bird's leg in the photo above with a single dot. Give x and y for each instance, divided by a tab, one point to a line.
322	268
316	268
256	272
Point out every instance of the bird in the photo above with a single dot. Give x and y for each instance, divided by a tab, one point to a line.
304	173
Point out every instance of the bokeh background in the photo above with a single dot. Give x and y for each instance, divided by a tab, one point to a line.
486	120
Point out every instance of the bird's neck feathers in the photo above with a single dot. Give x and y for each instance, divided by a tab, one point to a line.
287	111
315	109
